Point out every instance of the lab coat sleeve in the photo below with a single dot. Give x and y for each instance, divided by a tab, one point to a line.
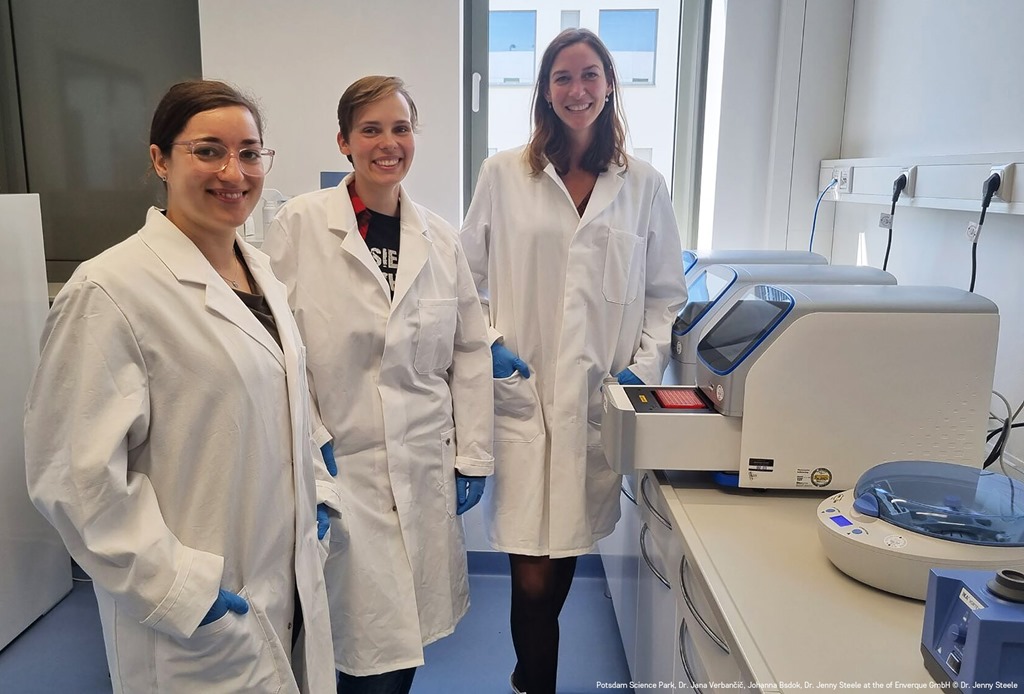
326	488
476	237
664	291
470	380
87	408
280	248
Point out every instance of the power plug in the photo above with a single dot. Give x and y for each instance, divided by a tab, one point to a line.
1005	191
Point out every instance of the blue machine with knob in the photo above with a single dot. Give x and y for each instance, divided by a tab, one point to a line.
973	637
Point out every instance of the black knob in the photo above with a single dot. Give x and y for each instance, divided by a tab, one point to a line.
1008	584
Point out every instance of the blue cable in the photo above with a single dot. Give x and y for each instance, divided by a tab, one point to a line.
814	219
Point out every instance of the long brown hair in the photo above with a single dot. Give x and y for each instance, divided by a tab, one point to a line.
549	141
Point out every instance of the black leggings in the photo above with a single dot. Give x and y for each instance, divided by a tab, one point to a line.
540	586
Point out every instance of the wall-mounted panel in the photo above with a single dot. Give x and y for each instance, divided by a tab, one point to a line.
89	76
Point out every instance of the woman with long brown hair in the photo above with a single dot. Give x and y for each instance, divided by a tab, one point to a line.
576	255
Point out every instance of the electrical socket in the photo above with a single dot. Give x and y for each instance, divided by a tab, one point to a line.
911	172
844	179
1005	192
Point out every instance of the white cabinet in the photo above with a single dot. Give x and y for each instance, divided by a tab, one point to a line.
656	603
759	604
35	569
619	556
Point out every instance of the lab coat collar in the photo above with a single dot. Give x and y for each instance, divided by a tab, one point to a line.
414	245
341	219
189	266
605	189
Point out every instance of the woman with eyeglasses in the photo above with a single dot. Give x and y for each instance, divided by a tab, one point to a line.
167	429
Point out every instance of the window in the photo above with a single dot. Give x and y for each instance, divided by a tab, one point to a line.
665	120
512	47
632	37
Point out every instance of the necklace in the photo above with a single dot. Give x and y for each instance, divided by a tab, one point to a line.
234	285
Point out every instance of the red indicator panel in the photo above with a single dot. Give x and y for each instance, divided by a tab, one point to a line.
679	399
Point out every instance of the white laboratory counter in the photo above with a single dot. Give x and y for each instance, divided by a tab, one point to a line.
731	590
757	575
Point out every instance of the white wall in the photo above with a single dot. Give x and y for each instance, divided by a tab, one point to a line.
298	57
779	112
745	122
935	78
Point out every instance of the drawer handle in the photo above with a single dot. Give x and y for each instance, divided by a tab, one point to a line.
643	550
625	493
719	641
682	659
643	493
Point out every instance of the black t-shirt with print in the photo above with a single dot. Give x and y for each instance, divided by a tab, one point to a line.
382	238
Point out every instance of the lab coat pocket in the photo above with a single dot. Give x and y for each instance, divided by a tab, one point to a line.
623	266
339	535
447	482
517	416
436	337
232	653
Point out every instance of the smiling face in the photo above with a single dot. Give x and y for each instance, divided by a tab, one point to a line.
201	203
381	144
577	88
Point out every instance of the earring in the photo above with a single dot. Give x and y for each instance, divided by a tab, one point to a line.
550	106
607	96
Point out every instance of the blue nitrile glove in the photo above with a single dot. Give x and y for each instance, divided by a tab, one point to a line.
468	490
328	452
323	523
505	363
226	600
628	378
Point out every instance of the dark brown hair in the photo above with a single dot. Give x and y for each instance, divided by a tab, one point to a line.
367	90
549	141
186	99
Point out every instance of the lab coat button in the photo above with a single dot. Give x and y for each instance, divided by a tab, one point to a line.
289	626
448	441
394	508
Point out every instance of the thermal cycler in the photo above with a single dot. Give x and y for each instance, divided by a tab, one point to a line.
713	290
808	386
695	261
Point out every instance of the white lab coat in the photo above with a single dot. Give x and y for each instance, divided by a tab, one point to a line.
403	387
167	438
578	300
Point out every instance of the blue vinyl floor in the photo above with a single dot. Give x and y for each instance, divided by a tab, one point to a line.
63	651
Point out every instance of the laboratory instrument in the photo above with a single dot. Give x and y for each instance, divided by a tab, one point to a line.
809	386
974	629
906	517
695	261
712	291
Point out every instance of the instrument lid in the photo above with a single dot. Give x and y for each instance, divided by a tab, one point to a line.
946	501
